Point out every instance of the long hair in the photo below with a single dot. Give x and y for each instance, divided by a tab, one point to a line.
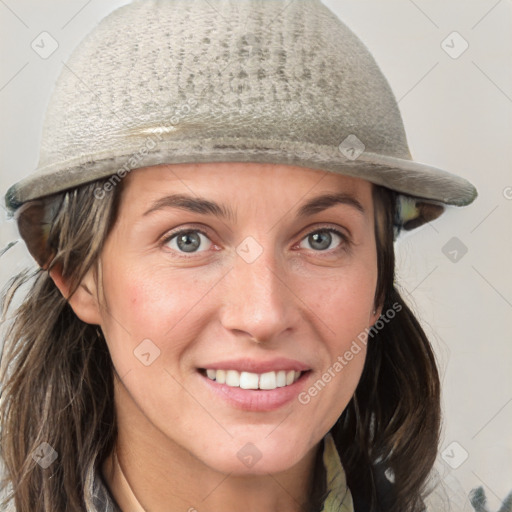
57	374
389	433
57	397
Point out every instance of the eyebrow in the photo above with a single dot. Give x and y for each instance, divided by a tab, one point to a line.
206	207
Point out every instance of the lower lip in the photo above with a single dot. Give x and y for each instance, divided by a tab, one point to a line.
256	399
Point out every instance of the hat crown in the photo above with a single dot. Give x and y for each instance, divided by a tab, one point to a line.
244	69
190	81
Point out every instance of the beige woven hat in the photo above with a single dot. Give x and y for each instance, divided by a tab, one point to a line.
177	81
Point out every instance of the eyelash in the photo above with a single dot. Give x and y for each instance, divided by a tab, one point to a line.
345	245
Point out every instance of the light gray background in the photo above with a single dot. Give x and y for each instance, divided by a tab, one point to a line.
458	116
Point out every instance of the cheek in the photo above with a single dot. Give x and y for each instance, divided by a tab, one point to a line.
343	302
154	305
327	395
330	390
343	306
351	313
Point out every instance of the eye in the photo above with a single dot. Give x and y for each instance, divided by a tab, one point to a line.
187	240
321	239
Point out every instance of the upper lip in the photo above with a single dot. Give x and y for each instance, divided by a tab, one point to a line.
254	366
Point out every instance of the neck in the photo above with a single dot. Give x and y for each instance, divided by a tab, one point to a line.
156	474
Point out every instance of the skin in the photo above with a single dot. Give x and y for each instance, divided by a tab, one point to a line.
178	441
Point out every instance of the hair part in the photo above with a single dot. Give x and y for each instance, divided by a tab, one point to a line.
58	388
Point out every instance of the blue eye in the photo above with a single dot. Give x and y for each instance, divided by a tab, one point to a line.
187	240
321	239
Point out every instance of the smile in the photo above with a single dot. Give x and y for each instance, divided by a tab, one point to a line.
249	380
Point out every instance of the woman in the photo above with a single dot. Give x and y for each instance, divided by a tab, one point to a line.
214	324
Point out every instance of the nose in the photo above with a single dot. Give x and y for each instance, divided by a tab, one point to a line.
258	299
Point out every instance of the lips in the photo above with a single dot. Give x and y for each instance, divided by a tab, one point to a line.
253	385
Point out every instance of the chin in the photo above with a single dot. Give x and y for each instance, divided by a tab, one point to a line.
266	465
257	455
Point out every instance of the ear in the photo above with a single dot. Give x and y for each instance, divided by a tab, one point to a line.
84	301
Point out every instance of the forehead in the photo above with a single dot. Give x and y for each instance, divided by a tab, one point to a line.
234	181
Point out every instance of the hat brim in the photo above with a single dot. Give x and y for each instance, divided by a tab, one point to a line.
404	176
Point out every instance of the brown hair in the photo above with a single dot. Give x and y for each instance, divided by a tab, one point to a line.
57	375
388	435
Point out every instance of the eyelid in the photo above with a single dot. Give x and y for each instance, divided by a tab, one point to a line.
339	231
187	227
320	226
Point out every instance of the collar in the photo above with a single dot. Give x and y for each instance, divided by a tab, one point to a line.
339	498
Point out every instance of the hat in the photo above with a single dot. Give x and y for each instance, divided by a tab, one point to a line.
179	81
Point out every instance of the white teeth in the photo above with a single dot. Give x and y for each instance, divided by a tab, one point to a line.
248	380
268	380
281	379
233	378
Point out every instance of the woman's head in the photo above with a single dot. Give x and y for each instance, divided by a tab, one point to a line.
256	287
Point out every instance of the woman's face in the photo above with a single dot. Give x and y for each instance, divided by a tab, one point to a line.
223	271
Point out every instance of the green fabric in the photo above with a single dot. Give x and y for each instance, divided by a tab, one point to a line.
339	498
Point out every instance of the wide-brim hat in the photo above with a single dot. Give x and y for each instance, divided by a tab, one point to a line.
179	81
